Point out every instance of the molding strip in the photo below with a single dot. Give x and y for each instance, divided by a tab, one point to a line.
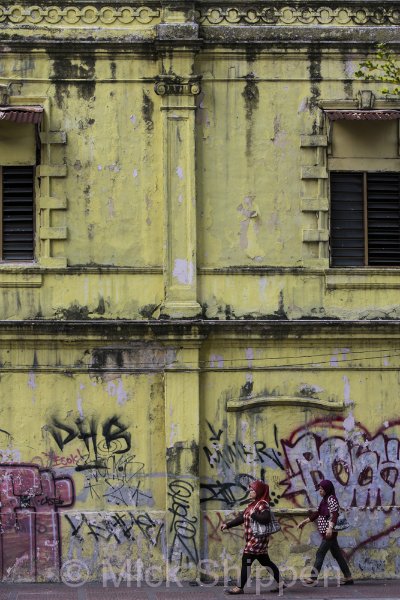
290	401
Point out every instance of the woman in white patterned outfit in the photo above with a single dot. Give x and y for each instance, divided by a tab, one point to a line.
255	548
326	517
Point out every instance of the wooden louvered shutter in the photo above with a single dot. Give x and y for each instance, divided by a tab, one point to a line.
383	199
347	219
17	194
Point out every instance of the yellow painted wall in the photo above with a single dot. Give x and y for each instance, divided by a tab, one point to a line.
338	433
180	333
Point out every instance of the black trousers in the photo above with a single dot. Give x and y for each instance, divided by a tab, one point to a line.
334	548
264	560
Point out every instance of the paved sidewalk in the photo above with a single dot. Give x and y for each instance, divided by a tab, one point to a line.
372	590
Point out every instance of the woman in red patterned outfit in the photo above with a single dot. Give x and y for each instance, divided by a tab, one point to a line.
326	517
255	548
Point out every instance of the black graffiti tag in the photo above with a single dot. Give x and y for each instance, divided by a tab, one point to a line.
229	492
222	453
183	526
118	527
114	439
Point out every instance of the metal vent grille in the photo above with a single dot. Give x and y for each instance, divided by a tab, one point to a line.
17	203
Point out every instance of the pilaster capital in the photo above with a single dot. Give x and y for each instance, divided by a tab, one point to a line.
173	85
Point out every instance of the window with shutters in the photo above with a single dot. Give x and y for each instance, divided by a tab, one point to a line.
17	210
365	219
19	155
364	181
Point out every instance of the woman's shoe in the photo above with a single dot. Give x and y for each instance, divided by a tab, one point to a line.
278	589
348	582
310	581
234	591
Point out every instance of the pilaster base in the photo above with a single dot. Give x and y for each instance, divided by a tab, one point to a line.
181	310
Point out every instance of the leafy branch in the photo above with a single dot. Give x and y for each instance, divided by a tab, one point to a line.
387	70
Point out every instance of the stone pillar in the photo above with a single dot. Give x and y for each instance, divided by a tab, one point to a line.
178	96
183	516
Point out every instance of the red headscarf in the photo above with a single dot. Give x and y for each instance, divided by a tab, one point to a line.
262	492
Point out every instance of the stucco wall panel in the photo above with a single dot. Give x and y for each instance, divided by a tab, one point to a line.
117	186
253	202
84	297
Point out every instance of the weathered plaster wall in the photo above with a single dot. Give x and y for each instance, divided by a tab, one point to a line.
180	331
251	255
317	418
99	434
113	143
108	454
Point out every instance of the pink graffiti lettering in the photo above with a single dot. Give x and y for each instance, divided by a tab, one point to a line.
30	539
56	460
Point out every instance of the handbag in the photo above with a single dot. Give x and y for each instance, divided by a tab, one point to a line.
341	523
261	530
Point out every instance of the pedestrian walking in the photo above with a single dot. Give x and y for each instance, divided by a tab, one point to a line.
256	548
327	517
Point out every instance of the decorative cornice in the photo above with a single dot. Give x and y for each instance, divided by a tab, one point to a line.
18	14
241	12
178	86
299	14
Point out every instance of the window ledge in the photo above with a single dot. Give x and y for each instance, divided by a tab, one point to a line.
365	278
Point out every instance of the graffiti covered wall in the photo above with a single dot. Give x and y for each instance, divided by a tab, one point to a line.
292	428
118	469
87	490
176	329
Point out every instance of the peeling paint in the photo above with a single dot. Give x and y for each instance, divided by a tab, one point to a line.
346	391
116	389
217	360
32	380
263	283
349	422
183	271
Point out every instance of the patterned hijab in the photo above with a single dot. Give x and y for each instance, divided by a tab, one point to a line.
262	492
329	490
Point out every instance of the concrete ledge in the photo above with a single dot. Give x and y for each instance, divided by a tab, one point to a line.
177	31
